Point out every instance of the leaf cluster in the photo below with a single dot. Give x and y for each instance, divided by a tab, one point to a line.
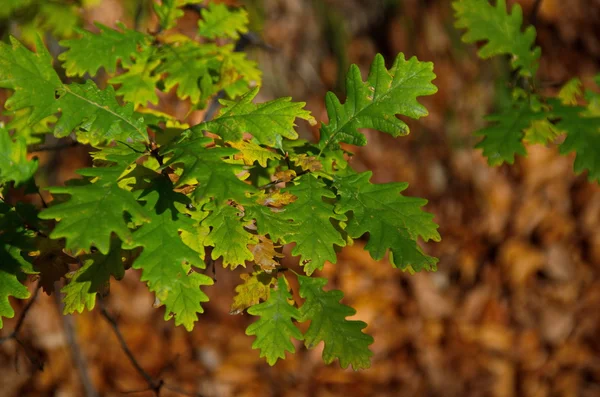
570	118
169	199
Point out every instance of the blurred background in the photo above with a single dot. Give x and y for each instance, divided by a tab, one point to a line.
514	307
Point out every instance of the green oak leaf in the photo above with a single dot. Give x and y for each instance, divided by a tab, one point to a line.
58	18
91	278
268	122
14	240
31	133
205	167
94	211
32	78
190	66
312	230
502	140
393	221
166	261
138	83
238	73
275	328
14	165
583	137
95	114
220	21
376	102
228	236
343	338
11	272
10	6
501	31
90	51
271	221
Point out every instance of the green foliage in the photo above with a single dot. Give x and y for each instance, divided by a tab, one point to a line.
374	103
228	236
503	139
90	52
268	122
531	118
167	262
275	327
94	211
168	198
197	70
312	231
91	278
38	17
14	238
205	167
218	21
583	136
393	221
94	114
343	338
14	165
501	30
10	280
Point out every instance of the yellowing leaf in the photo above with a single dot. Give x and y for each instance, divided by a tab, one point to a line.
276	199
255	288
250	152
541	131
285	176
570	91
265	254
307	163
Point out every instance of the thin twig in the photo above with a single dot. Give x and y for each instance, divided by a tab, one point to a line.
152	383
156	385
15	331
39	193
213	106
55	146
533	18
39	365
210	263
29	305
76	354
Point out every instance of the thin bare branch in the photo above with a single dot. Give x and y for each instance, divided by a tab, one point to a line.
55	146
155	385
14	335
533	18
152	383
76	354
